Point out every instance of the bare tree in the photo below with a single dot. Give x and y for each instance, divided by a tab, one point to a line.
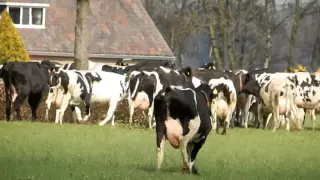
81	45
294	29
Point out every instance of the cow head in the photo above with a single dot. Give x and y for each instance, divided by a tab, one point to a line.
93	77
208	65
47	64
206	91
188	76
251	87
142	82
64	80
221	91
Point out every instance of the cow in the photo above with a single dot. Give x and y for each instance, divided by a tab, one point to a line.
236	79
54	93
277	96
121	70
223	103
308	86
144	85
182	116
88	87
208	65
30	80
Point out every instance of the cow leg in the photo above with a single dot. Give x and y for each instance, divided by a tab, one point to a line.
17	104
233	119
161	139
63	107
150	116
62	110
304	117
34	101
276	119
193	128
154	122
8	104
131	111
194	152
245	115
86	117
287	123
268	119
110	114
313	118
49	102
48	106
225	125
260	117
160	108
215	122
56	121
76	113
112	120
237	119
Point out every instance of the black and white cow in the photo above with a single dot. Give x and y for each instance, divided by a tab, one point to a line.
223	103
30	80
143	86
55	95
88	87
276	94
182	116
205	76
208	65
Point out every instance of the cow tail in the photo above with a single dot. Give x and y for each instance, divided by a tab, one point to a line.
287	99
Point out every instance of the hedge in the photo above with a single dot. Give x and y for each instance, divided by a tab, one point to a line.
98	112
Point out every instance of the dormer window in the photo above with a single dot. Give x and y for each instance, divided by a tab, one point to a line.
27	15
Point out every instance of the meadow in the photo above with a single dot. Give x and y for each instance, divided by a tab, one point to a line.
77	151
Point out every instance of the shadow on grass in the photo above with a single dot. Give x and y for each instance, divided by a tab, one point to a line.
152	169
310	129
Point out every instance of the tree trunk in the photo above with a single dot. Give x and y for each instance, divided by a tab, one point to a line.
240	40
211	21
81	45
226	40
213	45
268	34
294	29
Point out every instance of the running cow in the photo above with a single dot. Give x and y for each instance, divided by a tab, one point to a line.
182	116
87	87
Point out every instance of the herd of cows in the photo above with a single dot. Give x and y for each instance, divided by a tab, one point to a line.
185	104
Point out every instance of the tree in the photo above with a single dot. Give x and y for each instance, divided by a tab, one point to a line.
11	45
294	30
81	44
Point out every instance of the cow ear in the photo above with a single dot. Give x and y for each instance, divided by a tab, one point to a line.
214	91
61	74
187	71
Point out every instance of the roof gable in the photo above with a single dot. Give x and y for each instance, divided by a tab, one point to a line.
118	27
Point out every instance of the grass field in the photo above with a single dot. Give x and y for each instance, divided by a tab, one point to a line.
48	151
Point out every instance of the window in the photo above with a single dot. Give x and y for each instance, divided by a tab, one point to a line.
27	15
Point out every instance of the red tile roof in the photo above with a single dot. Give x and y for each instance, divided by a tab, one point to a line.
118	28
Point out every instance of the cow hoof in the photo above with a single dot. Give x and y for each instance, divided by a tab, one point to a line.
195	171
101	124
185	170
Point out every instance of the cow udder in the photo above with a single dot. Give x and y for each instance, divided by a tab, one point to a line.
142	101
174	132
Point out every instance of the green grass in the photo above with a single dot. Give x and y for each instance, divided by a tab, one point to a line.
49	151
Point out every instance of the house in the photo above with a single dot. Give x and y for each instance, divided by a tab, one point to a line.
120	30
